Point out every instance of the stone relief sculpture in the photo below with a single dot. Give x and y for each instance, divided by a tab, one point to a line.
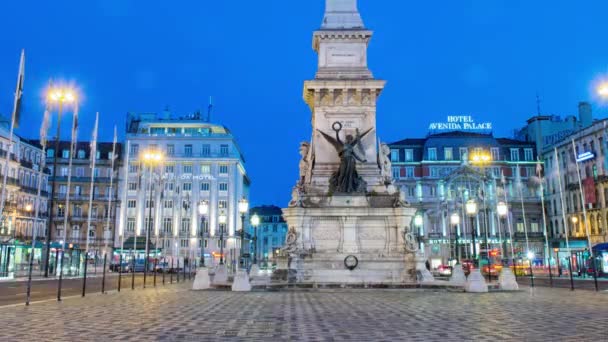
346	179
410	242
304	163
291	241
385	164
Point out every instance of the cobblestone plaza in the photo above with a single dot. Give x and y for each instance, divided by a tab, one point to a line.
177	313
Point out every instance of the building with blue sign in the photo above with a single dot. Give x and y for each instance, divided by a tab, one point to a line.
271	234
576	221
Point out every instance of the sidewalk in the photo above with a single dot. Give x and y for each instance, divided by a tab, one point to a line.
42	278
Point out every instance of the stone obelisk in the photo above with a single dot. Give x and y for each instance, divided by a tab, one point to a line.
347	222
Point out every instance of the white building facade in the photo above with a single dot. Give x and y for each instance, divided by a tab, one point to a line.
19	223
200	162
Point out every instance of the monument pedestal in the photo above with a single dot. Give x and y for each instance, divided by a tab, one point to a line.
221	275
476	282
353	239
458	277
241	281
201	280
422	273
506	280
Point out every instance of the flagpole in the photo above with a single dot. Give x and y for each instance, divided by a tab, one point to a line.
105	248
93	157
509	223
18	93
43	131
123	207
586	223
67	195
565	221
523	208
542	203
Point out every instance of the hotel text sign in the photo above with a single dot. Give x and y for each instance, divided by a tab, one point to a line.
460	123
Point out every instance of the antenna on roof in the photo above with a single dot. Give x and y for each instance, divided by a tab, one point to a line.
209	108
537	104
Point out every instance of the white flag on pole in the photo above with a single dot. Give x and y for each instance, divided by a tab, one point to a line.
93	155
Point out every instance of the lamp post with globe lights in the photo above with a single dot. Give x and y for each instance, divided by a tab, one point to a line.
151	158
255	222
458	277
243	208
222	221
455	221
471	210
241	279
203	210
221	274
201	280
60	97
506	280
475	281
503	210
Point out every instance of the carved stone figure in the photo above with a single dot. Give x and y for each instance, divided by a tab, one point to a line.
304	163
291	241
385	164
410	242
296	197
346	179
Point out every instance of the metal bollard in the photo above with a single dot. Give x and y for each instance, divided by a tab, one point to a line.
103	279
155	260
119	270
84	279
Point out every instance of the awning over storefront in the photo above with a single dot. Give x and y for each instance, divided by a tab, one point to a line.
139	243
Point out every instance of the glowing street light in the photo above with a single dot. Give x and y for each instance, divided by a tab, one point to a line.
203	210
255	222
151	158
455	221
243	208
602	90
471	209
222	221
59	96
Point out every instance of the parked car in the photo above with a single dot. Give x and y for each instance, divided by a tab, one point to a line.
444	270
116	267
138	267
494	269
162	267
467	266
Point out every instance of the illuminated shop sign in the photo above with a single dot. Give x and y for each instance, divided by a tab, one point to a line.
585	156
460	123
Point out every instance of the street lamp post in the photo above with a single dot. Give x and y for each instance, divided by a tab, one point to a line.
255	222
243	208
222	221
203	209
503	210
241	279
419	223
150	158
59	96
471	209
506	281
201	280
455	221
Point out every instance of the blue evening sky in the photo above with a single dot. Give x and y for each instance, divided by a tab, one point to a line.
486	58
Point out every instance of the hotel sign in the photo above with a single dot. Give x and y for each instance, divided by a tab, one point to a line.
460	123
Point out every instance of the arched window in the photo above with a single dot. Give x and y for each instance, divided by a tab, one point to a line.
591	225
599	225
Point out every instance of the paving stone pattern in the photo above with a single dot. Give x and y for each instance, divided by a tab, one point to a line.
177	314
